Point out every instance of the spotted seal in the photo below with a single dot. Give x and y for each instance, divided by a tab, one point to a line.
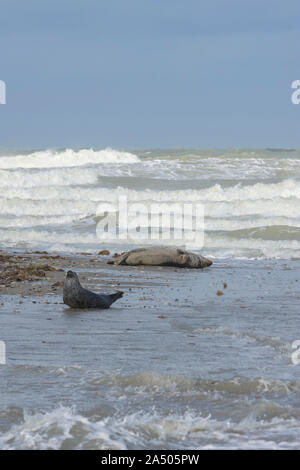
76	296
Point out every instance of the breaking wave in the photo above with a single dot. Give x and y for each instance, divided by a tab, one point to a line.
67	158
46	194
260	424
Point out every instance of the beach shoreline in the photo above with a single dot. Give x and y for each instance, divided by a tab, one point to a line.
41	272
181	355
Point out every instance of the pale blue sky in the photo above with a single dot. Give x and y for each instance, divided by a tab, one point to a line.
149	73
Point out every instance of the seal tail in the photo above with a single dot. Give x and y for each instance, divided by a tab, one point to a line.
116	296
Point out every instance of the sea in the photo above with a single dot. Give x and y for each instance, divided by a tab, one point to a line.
188	359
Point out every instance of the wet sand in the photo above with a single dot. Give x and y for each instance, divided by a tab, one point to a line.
181	361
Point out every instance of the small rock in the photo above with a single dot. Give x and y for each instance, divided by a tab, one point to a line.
58	284
104	253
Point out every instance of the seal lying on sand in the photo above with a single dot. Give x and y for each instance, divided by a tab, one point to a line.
162	256
77	297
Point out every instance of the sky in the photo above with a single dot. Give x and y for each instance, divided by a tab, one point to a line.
149	73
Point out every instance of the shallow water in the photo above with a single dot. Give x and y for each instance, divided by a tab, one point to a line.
217	372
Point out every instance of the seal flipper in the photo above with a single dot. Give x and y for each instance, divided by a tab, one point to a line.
116	296
121	259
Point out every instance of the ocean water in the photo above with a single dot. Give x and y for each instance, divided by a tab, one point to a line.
53	199
172	365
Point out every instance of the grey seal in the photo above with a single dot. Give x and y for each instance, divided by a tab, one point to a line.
162	256
76	296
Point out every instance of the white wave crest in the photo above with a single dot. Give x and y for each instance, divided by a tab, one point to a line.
64	428
67	158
